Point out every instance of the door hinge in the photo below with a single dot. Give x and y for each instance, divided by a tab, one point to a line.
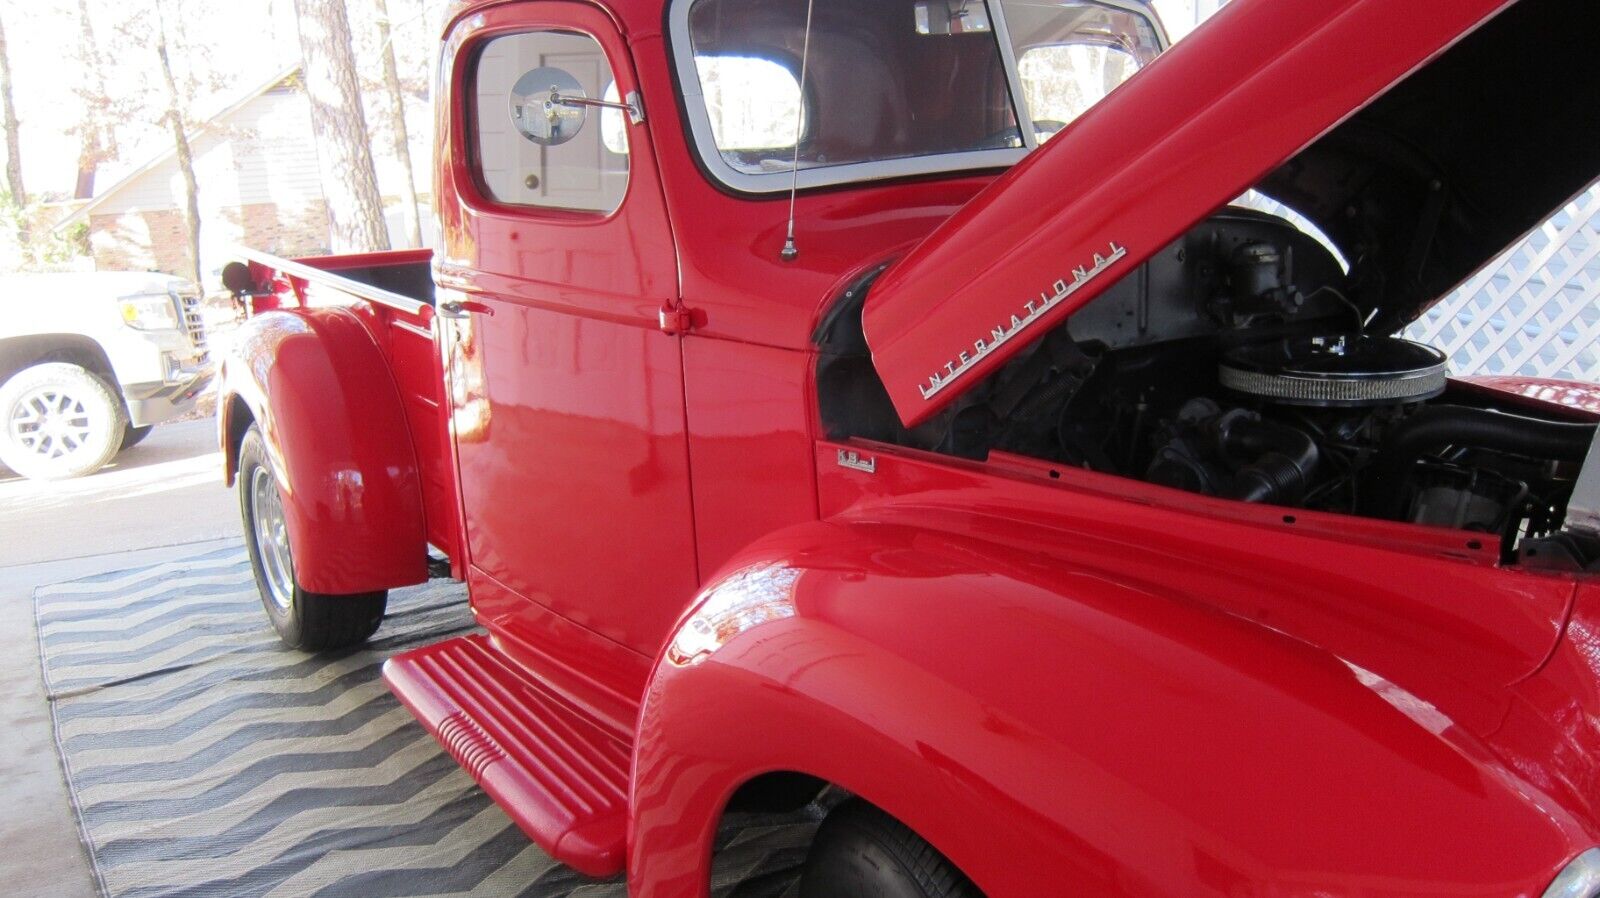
677	318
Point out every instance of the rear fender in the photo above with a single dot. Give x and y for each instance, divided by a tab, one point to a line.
321	391
1059	731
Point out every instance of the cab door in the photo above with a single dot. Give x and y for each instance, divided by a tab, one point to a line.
567	396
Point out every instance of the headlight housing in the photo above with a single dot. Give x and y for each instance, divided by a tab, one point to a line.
149	311
744	599
1581	878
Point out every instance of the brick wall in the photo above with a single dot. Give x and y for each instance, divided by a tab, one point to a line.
140	241
302	231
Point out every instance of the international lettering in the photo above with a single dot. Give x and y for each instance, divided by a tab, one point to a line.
1031	311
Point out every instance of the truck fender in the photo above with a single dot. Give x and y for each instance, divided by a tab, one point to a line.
321	392
1057	731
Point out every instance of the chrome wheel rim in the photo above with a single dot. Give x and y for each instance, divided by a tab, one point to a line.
272	538
50	423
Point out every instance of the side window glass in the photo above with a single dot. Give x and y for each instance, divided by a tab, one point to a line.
754	106
1061	82
535	146
1072	53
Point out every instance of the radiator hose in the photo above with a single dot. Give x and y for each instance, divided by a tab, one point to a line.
1282	458
1438	427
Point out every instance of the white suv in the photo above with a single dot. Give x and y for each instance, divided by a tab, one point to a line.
90	362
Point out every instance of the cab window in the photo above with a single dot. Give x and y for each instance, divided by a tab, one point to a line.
754	106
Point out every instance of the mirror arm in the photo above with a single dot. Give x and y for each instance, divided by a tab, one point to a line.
631	104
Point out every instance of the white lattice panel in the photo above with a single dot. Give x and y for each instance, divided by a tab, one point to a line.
1535	310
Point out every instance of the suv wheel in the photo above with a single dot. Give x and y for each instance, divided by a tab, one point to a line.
304	620
59	420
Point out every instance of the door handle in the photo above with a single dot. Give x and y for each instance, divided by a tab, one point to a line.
464	308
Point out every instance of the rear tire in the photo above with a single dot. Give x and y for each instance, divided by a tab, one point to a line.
59	420
308	621
133	436
862	852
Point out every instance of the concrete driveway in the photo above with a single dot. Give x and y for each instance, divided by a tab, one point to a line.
165	491
160	500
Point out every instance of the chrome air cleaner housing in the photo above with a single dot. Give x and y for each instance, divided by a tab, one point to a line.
1337	371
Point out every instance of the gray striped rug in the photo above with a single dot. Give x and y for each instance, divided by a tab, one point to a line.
205	759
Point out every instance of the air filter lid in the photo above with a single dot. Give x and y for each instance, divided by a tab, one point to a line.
1343	370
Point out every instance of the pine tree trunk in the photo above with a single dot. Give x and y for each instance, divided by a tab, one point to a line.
397	125
98	141
180	141
8	111
339	126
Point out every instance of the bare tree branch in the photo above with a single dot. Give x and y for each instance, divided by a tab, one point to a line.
174	120
98	140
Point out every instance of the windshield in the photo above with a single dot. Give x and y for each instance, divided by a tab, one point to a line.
894	87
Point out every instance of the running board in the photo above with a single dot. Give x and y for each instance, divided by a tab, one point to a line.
560	776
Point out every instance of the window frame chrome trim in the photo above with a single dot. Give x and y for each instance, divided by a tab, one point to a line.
1579	879
1008	56
704	144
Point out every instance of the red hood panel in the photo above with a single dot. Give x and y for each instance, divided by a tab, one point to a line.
1200	126
1543	393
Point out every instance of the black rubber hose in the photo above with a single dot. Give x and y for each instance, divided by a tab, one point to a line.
1284	458
1437	427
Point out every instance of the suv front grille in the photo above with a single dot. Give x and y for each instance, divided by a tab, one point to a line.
194	324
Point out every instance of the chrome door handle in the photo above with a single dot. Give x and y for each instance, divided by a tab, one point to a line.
464	308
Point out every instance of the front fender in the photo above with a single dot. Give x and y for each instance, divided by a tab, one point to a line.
1058	730
321	391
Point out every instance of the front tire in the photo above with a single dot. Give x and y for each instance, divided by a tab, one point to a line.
308	621
58	421
862	852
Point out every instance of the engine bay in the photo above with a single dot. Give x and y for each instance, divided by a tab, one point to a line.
1241	362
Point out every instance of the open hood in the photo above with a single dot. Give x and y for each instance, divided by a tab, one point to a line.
1414	189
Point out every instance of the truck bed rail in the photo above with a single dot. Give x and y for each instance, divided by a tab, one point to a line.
332	278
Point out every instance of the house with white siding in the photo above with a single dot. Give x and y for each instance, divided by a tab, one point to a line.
259	185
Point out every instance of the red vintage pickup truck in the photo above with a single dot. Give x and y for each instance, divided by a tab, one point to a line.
831	395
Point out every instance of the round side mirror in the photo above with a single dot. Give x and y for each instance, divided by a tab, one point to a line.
538	110
236	277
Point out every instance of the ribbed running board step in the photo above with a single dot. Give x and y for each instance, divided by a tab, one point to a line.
560	776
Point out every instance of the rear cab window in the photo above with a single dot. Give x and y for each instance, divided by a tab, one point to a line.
532	149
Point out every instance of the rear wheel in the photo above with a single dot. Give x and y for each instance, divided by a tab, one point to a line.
304	620
58	420
862	852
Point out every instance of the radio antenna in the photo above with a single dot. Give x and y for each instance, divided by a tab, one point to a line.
790	251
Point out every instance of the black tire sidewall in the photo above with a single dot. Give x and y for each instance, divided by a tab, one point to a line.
133	436
862	852
253	456
108	419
